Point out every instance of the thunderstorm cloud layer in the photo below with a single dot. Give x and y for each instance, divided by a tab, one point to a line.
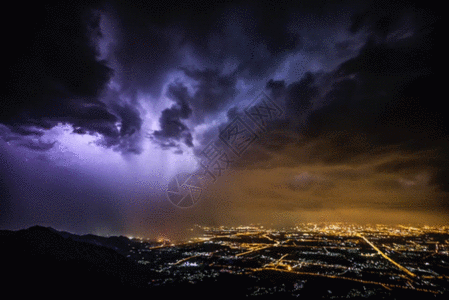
105	102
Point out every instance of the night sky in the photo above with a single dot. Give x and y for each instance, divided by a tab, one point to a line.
104	103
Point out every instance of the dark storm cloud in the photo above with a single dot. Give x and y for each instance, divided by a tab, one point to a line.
232	113
345	48
179	93
53	74
276	87
8	135
382	17
145	54
386	95
23	130
152	37
300	95
384	101
52	58
172	128
37	145
91	118
130	118
212	90
171	122
369	133
25	137
390	95
128	139
257	35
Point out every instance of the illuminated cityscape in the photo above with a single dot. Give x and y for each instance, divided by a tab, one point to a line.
364	260
225	149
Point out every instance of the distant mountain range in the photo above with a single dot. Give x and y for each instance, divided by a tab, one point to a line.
43	261
41	258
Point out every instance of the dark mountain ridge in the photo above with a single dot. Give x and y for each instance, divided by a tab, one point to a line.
42	260
42	257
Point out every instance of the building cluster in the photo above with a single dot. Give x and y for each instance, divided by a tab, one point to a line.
371	256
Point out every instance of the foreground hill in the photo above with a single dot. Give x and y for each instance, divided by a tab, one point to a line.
41	258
